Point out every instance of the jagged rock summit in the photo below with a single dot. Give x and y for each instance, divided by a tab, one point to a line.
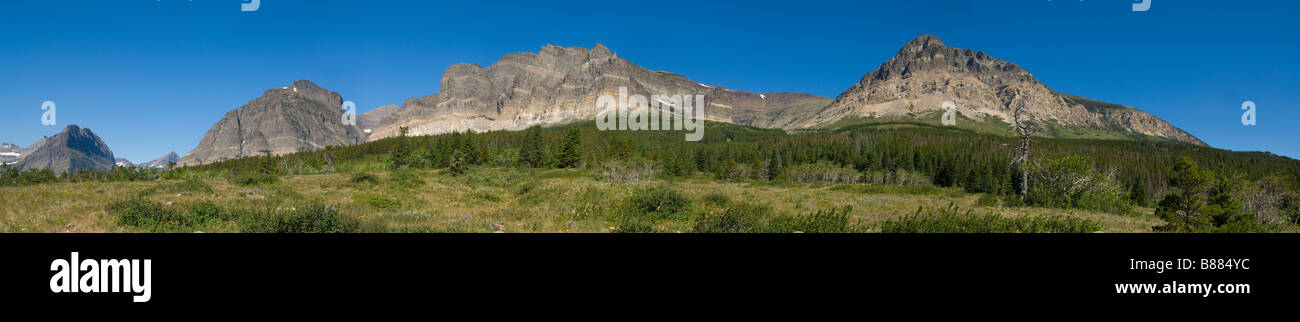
298	117
73	149
926	72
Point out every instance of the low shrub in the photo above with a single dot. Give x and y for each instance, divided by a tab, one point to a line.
156	217
252	179
629	171
952	220
377	201
659	201
829	221
738	218
314	218
364	177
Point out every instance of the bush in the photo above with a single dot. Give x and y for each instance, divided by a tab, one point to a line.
631	170
377	201
140	213
951	220
660	201
155	217
830	221
310	219
364	177
252	179
456	163
1067	181
739	218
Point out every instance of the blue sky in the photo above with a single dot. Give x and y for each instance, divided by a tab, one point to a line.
152	76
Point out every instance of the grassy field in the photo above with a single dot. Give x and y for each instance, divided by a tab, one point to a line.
488	199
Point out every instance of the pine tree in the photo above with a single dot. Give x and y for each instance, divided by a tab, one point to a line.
1184	208
775	167
401	157
570	150
456	163
533	152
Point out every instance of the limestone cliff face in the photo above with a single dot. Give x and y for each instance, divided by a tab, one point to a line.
559	85
925	73
299	117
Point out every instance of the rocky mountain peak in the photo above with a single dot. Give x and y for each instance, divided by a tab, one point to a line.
926	73
74	148
300	117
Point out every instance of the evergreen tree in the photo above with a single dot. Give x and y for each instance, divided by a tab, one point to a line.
456	163
533	152
775	167
401	156
1183	209
570	150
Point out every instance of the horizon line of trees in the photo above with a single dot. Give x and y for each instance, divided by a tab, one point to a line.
1105	175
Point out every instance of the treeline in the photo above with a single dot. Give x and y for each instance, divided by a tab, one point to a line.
977	163
1105	175
11	176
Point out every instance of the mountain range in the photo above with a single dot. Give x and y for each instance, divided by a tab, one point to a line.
559	85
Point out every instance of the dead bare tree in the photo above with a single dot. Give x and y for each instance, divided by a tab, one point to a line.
1025	127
